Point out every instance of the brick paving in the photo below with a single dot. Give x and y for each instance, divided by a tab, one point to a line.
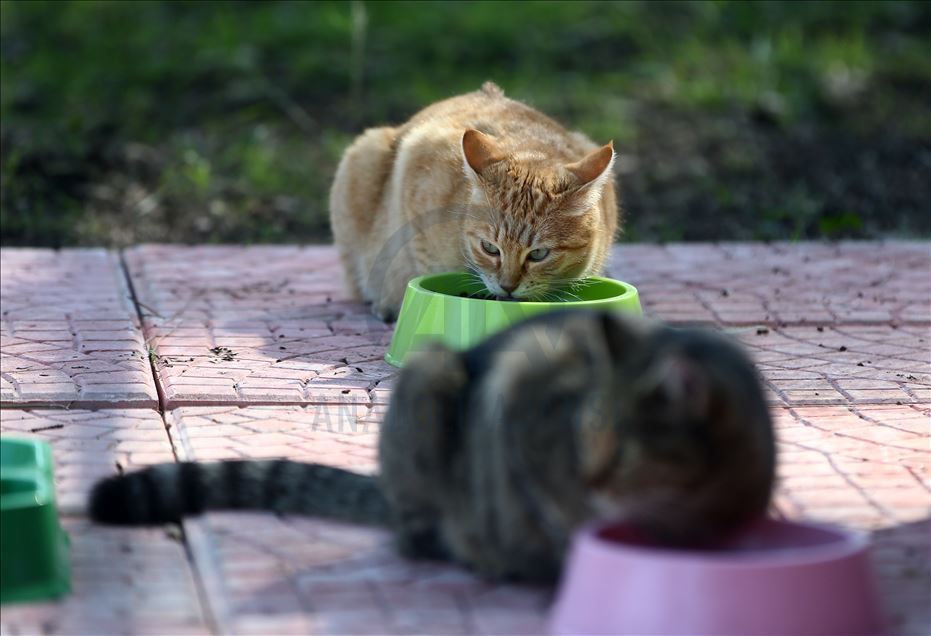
89	445
867	467
258	353
345	434
123	581
260	325
314	576
781	283
859	364
69	332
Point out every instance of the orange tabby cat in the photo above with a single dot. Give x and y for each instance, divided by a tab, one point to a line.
477	182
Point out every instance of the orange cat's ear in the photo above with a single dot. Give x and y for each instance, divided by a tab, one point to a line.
595	167
479	151
590	174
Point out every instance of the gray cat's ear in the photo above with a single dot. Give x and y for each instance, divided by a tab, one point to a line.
619	331
679	383
430	383
599	442
599	445
479	151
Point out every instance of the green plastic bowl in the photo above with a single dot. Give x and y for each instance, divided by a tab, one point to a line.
434	309
33	547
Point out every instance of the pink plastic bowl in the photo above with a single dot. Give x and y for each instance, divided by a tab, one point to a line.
774	578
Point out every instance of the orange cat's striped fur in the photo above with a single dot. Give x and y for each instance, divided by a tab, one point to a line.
477	182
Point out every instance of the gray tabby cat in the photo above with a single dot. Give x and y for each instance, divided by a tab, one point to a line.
494	456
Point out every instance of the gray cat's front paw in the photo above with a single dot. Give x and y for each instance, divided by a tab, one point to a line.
386	313
426	544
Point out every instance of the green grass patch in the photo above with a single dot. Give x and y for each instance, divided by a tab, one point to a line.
223	121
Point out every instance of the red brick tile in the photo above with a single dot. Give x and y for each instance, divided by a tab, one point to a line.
69	333
343	435
781	283
265	325
880	478
343	579
829	365
902	554
868	486
89	445
123	582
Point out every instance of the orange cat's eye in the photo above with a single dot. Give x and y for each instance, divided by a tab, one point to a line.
490	248
538	254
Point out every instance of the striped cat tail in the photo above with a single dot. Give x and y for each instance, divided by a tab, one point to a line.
167	492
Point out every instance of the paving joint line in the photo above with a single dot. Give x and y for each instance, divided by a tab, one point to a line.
202	597
124	268
177	404
772	322
217	611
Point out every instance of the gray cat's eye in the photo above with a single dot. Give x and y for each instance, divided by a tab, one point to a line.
538	254
490	248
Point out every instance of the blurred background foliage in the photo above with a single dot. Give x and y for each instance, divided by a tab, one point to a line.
123	122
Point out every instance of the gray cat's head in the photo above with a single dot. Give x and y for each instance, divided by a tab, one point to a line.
684	449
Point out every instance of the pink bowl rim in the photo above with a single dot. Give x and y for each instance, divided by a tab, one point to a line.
846	543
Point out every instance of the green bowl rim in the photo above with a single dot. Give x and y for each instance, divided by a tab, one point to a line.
390	359
41	493
38	469
629	291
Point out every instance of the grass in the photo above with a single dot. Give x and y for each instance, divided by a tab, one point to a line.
219	121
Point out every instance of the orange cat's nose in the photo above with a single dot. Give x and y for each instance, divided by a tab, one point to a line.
509	289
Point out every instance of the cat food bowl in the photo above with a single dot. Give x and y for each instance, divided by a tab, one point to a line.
33	548
773	578
446	307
